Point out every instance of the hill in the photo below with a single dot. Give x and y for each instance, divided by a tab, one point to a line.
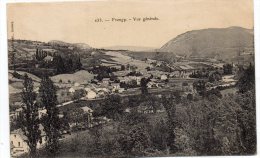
65	44
224	43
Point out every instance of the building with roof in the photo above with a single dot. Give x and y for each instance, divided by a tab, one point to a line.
18	142
91	94
105	81
164	77
72	90
48	59
89	112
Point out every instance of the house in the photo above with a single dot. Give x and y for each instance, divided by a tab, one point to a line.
164	77
88	111
122	79
72	90
76	84
70	47
100	120
144	109
136	78
19	146
18	112
48	59
42	112
36	90
115	86
18	142
152	84
120	73
106	81
127	110
12	116
187	87
87	89
91	94
121	90
93	53
228	78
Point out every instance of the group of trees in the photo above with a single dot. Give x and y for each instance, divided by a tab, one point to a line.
61	63
67	63
40	54
220	126
210	125
200	74
30	121
131	84
212	74
102	72
246	81
227	69
215	76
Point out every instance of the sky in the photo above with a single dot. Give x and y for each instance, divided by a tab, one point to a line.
74	22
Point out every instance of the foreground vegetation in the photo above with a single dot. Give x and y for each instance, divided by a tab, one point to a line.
161	125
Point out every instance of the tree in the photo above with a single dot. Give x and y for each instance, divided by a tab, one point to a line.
65	121
30	118
214	77
59	63
96	133
143	83
228	69
16	122
247	122
112	107
79	94
215	92
51	121
159	135
247	80
170	108
123	67
200	87
133	134
153	102
76	115
190	97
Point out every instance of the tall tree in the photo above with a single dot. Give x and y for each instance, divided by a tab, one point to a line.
170	107
247	80
51	121
29	116
144	83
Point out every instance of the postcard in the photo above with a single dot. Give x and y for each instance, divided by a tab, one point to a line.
131	78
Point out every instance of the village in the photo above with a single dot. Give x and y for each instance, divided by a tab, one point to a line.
123	76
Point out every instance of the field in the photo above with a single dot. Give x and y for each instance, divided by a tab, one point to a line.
124	59
228	91
80	77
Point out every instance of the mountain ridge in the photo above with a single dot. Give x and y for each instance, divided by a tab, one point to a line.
223	42
62	43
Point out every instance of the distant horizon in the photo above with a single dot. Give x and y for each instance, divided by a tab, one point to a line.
152	47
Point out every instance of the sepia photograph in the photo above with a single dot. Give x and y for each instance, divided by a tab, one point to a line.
133	78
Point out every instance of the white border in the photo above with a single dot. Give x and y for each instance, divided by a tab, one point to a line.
4	101
4	108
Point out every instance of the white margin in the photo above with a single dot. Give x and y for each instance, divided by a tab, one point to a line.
4	100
